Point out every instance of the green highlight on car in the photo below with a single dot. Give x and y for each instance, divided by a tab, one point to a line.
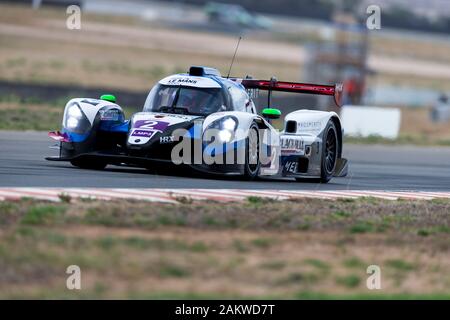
108	97
271	113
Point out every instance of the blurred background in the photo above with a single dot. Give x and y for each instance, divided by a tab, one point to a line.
397	76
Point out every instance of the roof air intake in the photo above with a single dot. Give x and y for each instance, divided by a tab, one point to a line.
203	71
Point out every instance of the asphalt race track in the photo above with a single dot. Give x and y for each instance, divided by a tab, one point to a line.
372	167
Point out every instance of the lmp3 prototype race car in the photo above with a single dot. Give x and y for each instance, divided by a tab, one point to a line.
207	122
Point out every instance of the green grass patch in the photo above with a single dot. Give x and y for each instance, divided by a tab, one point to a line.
56	239
354	262
169	270
362	227
341	214
262	242
300	278
423	232
23	119
239	246
350	281
8	212
318	264
274	265
107	242
433	230
43	214
212	221
400	265
256	200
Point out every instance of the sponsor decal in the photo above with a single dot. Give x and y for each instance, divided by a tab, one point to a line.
183	80
176	116
143	133
291	145
310	124
189	81
166	139
291	166
110	115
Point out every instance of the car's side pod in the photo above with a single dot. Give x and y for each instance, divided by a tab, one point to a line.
312	124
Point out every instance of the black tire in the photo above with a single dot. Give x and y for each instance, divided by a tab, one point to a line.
330	150
252	161
89	164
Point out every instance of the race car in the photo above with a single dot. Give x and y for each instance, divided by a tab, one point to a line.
209	123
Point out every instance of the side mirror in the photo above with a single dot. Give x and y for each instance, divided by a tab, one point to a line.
108	97
271	113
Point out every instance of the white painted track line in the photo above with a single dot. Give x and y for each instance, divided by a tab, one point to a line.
220	195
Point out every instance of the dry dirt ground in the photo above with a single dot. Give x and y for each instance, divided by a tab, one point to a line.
417	124
36	46
256	249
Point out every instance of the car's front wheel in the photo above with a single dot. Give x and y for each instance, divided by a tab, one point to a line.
252	161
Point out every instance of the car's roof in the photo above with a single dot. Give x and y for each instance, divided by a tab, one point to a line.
205	81
185	80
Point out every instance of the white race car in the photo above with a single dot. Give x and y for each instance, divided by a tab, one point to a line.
209	123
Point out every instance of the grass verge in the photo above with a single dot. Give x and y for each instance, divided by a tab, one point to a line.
35	114
256	249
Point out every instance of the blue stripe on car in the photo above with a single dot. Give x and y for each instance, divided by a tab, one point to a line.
112	126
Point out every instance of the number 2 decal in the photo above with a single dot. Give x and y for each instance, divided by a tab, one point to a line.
151	125
148	124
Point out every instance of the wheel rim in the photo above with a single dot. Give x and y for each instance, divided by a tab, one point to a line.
330	151
253	150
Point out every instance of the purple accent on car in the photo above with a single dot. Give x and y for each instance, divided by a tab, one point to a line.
143	133
59	136
151	125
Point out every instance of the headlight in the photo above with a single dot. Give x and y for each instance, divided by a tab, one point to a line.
225	135
75	120
74	112
229	124
72	122
225	128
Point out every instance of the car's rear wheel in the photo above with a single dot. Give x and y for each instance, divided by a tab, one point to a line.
89	164
252	161
330	149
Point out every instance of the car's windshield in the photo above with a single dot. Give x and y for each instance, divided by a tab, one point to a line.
185	100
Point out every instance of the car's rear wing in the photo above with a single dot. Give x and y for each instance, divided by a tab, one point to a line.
274	85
